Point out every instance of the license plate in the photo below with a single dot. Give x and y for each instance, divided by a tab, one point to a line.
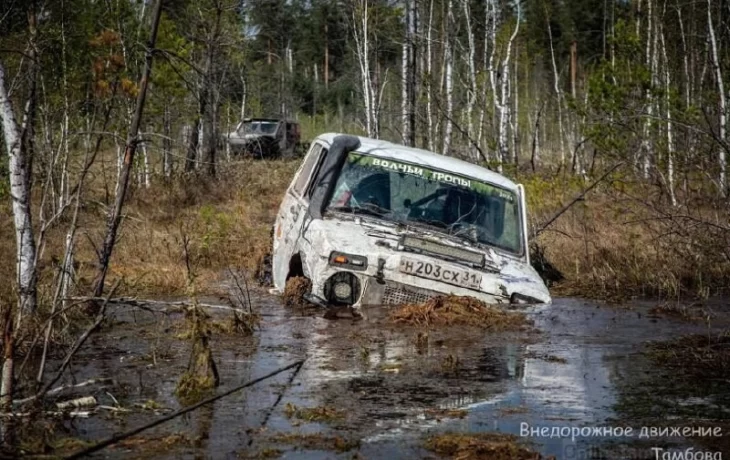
434	271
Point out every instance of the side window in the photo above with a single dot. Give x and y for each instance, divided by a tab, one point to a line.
306	170
318	166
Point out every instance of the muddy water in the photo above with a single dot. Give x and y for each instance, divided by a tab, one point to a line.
582	366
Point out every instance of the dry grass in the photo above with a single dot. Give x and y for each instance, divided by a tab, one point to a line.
493	446
619	243
698	357
681	311
458	310
227	220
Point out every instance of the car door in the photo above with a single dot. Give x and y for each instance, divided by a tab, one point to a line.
290	218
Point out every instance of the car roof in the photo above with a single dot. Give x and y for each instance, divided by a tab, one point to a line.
390	150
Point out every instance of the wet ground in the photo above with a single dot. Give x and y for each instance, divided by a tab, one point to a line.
380	390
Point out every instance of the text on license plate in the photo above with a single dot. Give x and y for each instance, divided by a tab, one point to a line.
457	277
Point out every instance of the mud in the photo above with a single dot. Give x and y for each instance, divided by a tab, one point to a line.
375	389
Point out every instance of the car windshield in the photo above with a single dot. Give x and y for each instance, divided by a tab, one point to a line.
259	127
452	204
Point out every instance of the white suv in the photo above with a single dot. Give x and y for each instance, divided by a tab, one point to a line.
369	222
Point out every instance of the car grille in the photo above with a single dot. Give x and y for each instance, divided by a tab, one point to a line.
397	296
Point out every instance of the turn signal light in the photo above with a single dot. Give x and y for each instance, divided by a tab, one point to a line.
348	261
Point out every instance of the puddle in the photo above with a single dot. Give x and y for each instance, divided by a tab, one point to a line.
584	368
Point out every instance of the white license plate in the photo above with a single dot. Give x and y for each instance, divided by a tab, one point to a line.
435	271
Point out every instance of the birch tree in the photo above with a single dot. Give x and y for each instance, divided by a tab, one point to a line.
408	103
723	101
505	100
429	80
472	89
449	76
17	144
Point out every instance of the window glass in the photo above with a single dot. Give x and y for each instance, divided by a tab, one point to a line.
306	170
448	203
258	127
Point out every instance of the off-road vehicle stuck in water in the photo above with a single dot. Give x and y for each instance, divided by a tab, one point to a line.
369	222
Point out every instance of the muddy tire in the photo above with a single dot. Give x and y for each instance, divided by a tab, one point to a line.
294	291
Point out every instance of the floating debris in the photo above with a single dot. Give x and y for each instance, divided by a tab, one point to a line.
316	441
493	446
313	414
459	310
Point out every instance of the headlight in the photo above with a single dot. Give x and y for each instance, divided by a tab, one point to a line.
349	261
342	288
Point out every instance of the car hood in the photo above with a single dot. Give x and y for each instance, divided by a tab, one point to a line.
371	238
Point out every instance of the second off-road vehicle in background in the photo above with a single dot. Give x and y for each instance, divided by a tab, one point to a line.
266	138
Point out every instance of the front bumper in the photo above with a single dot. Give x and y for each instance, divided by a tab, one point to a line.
379	291
390	292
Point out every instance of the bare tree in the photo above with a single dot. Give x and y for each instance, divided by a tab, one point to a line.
115	217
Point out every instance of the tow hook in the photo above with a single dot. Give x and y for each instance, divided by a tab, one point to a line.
379	275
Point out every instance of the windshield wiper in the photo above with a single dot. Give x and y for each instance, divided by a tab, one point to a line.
429	222
370	210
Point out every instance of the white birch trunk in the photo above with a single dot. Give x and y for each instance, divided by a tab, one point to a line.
515	112
504	102
145	166
429	83
685	58
670	130
723	101
472	92
20	183
449	63
559	96
167	159
405	135
646	144
488	58
360	33
63	186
